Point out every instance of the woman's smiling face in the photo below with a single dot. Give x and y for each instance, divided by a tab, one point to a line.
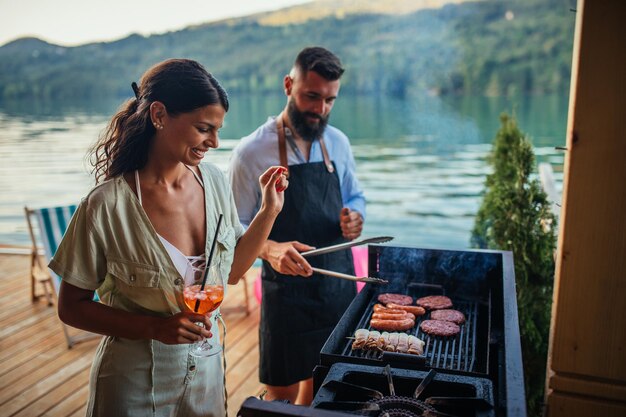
188	136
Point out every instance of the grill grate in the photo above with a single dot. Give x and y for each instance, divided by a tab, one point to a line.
456	353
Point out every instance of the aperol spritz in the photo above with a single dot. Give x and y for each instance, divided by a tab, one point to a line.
204	301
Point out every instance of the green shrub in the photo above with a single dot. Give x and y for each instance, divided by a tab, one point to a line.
515	215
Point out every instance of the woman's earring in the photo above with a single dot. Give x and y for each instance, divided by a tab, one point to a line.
158	126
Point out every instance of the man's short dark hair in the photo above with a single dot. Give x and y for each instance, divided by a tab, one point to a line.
320	60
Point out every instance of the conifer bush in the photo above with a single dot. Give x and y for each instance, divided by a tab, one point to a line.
515	215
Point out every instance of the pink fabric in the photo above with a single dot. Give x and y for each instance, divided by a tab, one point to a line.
258	291
360	264
360	269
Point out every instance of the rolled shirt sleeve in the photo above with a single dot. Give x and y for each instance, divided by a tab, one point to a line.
80	258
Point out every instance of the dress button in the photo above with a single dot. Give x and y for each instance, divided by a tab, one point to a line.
133	278
178	281
192	368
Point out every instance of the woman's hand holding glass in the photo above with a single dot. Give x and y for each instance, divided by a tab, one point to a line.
182	328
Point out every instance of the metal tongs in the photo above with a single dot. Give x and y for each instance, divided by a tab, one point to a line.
342	246
349	277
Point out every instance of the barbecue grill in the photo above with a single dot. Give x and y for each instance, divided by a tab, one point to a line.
485	356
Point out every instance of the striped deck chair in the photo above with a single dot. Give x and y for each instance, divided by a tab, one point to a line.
51	223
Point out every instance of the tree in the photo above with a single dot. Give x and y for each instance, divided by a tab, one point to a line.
515	215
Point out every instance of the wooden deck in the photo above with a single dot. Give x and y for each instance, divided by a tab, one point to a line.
40	376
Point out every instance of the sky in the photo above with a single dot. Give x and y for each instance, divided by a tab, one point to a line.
74	22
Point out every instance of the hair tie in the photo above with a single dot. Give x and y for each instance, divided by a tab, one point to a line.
135	89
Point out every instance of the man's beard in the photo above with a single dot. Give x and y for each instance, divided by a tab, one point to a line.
302	126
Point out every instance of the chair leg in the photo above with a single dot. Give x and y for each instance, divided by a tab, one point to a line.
46	284
48	288
33	296
68	338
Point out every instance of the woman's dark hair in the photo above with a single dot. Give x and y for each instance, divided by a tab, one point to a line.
182	85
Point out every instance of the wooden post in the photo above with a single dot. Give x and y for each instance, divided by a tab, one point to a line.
587	358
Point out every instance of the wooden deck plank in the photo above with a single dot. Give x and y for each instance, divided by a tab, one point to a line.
251	387
31	363
12	283
72	405
14	268
48	371
55	396
25	322
243	347
26	337
240	371
44	385
18	315
20	300
39	376
236	332
243	380
52	339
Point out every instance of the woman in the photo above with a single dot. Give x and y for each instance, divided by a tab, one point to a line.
154	203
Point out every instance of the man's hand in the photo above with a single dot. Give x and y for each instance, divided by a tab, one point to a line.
351	223
285	257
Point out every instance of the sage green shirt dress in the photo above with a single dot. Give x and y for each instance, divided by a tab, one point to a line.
110	246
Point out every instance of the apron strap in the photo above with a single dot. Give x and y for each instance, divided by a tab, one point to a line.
329	165
282	147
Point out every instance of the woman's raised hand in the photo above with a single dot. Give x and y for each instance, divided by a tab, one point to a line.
273	184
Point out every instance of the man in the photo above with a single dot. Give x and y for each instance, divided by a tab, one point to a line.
324	205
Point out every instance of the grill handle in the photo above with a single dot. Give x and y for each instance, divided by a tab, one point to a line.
404	359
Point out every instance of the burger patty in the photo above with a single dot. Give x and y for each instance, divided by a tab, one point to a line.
401	299
454	316
434	302
440	328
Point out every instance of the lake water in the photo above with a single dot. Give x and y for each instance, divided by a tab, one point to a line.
421	161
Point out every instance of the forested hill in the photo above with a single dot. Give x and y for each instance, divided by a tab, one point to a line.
485	47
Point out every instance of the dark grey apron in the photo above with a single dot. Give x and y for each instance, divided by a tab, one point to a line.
298	314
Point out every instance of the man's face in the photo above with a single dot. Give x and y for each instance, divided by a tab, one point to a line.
310	100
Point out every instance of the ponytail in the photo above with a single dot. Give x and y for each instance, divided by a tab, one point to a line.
122	147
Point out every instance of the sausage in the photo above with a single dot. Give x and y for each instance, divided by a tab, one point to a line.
390	311
379	308
385	315
417	310
392	325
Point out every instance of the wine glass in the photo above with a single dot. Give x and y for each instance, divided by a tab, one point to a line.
204	299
